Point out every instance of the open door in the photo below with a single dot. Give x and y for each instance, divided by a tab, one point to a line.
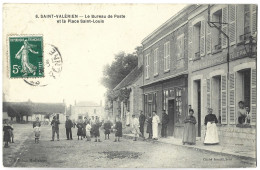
172	117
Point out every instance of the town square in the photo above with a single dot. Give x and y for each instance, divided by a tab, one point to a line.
131	86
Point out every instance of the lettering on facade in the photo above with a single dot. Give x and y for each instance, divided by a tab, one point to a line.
208	62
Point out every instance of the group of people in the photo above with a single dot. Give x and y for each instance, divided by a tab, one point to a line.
88	128
152	125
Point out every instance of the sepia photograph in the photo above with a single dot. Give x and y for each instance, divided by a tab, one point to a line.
137	85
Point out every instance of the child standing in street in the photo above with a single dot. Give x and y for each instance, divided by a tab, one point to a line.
107	127
88	129
6	129
11	132
37	133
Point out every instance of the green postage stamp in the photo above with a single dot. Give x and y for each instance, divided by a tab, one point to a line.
26	56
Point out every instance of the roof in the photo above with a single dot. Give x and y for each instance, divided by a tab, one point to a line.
36	108
87	103
165	24
130	78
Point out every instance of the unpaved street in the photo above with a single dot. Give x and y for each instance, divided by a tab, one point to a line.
107	154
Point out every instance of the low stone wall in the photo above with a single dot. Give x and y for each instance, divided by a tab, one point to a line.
235	135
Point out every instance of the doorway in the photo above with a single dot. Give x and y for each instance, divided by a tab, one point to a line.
197	105
171	114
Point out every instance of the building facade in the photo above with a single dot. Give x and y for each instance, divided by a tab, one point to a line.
165	58
128	94
222	72
86	109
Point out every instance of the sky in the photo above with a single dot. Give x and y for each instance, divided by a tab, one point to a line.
85	48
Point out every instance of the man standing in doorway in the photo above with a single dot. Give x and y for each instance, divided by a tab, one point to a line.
165	120
55	127
68	126
141	122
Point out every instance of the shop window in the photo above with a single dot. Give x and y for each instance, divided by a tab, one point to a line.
178	102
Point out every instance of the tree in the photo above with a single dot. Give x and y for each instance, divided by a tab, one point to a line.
122	65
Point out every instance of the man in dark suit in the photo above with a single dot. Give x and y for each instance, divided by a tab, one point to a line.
141	122
55	128
165	120
68	126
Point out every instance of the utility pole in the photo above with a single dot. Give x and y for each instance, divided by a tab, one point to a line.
213	25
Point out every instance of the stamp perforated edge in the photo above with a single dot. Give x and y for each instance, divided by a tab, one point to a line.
8	54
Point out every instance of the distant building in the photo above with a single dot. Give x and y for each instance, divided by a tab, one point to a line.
86	109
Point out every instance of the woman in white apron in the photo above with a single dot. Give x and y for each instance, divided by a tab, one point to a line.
211	136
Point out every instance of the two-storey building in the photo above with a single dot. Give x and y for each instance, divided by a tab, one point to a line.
165	84
222	69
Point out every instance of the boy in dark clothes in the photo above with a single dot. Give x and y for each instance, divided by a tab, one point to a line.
7	137
107	127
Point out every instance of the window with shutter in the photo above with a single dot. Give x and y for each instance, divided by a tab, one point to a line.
208	42
224	26
232	24
253	19
253	96
202	38
147	65
190	51
232	102
155	55
208	93
240	22
224	99
167	56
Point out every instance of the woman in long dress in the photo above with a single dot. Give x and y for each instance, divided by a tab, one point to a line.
149	129
189	134
136	127
23	54
211	128
155	121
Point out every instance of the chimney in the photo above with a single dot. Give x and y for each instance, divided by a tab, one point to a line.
75	103
101	103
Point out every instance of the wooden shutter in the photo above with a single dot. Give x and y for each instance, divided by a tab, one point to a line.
253	19
223	99
232	105
232	24
208	93
253	97
202	38
190	51
169	55
224	26
240	23
164	56
208	42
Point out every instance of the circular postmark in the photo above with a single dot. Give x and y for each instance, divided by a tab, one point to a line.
52	67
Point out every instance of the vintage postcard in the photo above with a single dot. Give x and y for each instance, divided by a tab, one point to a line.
129	85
